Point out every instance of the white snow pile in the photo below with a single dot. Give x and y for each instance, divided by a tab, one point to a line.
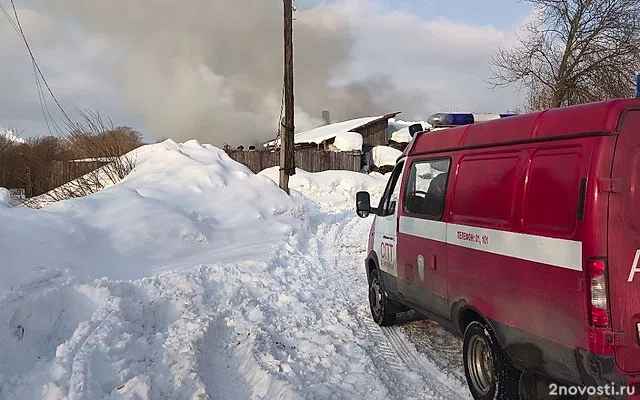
180	200
11	136
385	155
333	190
5	197
348	141
94	159
401	136
194	278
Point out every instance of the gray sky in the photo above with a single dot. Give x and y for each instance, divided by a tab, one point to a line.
213	71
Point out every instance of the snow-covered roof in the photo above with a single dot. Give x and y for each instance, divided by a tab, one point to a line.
322	133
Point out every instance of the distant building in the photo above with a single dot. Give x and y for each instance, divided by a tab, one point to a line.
374	131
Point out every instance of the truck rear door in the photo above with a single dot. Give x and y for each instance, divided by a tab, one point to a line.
624	244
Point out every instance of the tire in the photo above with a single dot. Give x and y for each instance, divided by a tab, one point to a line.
490	375
382	310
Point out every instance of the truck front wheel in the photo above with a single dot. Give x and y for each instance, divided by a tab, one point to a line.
489	373
382	310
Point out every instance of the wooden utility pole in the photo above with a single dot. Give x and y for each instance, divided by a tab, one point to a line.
287	158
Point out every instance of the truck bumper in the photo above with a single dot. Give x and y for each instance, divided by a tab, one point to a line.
600	372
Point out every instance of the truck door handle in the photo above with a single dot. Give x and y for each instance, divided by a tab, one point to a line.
387	237
432	261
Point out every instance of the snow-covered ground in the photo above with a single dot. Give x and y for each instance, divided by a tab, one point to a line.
195	278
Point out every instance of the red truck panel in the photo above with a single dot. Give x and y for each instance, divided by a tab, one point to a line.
531	201
624	244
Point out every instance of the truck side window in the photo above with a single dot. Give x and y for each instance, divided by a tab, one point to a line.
391	194
426	186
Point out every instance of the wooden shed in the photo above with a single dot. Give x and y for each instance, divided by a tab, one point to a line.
374	131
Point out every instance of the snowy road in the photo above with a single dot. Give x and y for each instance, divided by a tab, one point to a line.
405	371
288	320
295	326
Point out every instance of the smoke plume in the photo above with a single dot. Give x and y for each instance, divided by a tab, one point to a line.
212	70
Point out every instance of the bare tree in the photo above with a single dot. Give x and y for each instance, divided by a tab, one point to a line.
94	141
7	160
96	137
574	51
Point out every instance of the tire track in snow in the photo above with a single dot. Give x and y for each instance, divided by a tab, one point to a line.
402	368
391	370
421	362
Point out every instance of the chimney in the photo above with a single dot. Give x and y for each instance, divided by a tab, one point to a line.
325	116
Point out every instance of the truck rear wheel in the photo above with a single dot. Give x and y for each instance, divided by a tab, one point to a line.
489	373
382	310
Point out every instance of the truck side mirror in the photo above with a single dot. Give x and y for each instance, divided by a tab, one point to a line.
363	204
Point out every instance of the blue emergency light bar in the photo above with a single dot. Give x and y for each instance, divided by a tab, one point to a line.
457	119
638	86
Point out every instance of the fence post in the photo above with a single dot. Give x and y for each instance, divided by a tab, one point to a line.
29	184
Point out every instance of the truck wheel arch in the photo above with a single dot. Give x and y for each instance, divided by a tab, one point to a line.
462	314
371	263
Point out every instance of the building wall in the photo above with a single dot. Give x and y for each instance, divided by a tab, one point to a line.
376	134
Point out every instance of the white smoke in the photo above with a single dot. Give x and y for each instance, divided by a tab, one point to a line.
213	70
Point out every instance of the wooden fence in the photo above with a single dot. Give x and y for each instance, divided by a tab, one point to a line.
308	160
49	176
63	172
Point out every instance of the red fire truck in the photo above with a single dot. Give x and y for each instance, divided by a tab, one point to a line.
523	235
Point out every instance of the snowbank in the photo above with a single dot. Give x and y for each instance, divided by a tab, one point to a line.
348	141
94	159
5	197
180	200
332	190
94	289
385	155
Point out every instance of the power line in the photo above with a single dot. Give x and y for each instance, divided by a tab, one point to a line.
37	71
35	74
26	42
6	14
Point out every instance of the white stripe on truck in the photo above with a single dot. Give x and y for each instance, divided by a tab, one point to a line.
545	250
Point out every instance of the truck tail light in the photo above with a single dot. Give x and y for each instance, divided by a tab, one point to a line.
598	307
